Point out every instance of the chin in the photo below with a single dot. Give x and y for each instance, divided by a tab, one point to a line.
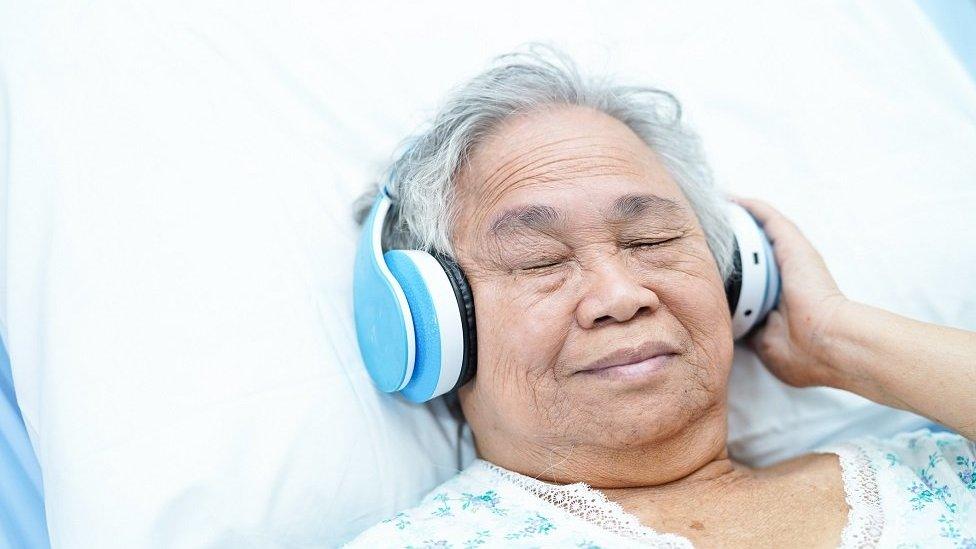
663	413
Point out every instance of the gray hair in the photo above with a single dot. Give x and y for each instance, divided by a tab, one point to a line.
422	175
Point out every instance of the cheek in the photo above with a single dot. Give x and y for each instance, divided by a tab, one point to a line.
520	337
700	306
518	323
687	282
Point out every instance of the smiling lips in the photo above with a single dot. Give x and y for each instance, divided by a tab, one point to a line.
648	356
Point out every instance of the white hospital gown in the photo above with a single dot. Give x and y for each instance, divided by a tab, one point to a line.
915	490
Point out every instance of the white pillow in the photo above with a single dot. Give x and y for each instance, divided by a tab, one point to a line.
177	238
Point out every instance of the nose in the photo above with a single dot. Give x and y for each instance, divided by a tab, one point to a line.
613	295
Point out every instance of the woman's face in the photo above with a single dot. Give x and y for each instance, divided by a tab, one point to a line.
602	321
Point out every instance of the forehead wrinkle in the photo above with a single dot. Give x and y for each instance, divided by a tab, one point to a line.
519	154
540	164
542	168
561	169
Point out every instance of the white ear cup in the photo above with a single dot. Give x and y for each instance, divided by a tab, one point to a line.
756	272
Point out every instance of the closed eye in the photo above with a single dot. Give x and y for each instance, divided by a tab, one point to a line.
649	243
541	266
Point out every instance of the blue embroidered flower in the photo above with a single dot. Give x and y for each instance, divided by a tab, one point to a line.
892	459
400	520
488	500
444	509
534	525
967	471
948	528
431	544
478	539
928	490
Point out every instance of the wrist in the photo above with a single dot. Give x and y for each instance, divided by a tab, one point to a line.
848	350
831	341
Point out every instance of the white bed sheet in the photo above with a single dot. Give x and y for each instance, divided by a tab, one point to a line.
176	237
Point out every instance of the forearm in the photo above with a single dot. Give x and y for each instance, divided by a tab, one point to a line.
904	363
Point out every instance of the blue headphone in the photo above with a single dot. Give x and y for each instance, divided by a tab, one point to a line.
415	312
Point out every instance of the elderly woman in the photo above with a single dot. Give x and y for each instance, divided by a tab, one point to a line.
585	221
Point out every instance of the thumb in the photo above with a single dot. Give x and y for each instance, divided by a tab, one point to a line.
771	342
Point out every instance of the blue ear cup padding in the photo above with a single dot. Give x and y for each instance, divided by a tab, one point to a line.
384	327
465	299
427	360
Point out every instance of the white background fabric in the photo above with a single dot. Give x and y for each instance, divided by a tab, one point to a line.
176	238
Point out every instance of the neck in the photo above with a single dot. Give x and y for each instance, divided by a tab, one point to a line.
717	472
689	457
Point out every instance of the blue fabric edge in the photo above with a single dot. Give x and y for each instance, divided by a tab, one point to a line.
23	523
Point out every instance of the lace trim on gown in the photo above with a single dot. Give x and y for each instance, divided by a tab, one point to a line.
589	505
865	519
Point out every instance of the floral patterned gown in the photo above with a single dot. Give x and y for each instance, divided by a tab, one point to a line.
914	490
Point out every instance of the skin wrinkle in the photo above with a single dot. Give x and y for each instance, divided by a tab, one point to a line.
530	163
487	140
545	168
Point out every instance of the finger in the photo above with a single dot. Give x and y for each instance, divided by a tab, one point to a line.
759	342
759	209
776	225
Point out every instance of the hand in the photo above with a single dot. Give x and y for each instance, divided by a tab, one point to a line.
791	344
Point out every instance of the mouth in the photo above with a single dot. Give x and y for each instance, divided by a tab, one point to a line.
633	362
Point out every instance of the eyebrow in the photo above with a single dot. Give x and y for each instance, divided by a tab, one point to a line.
536	217
636	205
539	217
